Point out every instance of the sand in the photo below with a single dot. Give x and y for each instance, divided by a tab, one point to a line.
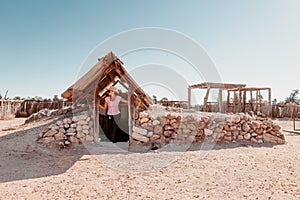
229	171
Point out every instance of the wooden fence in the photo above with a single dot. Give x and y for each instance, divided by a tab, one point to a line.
24	108
8	108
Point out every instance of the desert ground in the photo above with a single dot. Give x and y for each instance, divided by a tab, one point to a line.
228	171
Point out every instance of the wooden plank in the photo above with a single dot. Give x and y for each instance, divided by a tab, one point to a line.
189	97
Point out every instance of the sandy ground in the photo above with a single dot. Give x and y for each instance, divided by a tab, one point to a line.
228	171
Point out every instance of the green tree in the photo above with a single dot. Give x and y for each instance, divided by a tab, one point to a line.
293	97
154	98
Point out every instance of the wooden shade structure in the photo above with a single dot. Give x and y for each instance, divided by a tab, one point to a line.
239	103
208	86
108	71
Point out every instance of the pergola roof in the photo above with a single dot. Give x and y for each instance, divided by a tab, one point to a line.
207	85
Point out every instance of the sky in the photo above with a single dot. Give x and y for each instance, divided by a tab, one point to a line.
43	44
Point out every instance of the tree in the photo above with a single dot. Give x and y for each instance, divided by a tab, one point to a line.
154	98
164	99
274	101
293	97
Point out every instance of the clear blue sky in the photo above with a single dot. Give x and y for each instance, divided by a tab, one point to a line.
43	43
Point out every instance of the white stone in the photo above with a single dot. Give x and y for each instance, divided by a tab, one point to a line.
139	130
155	122
139	137
82	122
247	136
85	127
150	134
86	131
50	133
208	132
79	128
59	122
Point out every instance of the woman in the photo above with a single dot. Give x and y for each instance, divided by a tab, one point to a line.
111	103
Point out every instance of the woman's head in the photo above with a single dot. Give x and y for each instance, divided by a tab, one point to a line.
111	90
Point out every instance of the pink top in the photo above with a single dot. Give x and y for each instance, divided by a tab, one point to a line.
113	106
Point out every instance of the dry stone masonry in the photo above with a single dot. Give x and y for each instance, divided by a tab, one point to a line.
69	130
160	125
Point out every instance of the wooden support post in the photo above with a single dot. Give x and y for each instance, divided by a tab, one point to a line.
270	103
251	100
244	100
189	97
234	101
228	101
220	100
256	102
240	100
206	99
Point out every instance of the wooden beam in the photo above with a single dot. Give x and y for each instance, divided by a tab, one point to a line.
189	97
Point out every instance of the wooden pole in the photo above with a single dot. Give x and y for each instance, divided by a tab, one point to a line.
244	100
270	103
228	100
206	99
189	97
220	99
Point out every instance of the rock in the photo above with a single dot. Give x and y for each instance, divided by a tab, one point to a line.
190	138
70	134
208	132
139	137
82	122
71	130
154	137
186	131
85	127
89	138
73	125
54	127
59	122
247	136
272	139
254	140
155	122
228	138
80	135
150	134
158	130
192	127
168	127
50	133
144	120
246	127
168	133
240	137
46	140
86	132
60	136
79	128
74	140
139	130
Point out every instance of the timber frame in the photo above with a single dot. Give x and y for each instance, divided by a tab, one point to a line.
239	97
108	71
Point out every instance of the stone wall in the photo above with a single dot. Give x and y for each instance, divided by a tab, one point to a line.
69	130
183	127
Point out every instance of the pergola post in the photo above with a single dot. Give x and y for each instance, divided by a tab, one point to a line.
189	97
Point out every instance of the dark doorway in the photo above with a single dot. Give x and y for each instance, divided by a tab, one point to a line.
121	132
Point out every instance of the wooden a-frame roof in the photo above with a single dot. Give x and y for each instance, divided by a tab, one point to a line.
108	71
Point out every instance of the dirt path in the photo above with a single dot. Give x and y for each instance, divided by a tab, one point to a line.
29	171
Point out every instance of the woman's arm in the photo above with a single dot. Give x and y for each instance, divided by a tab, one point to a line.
104	106
123	100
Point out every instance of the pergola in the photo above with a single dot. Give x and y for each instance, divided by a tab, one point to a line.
239	91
